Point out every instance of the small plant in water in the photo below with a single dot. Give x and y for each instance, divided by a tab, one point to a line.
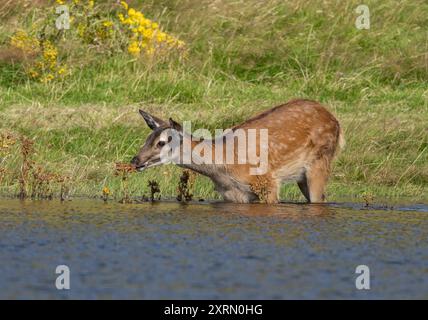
185	185
65	188
123	170
106	193
27	150
6	142
154	188
40	184
368	199
43	181
2	174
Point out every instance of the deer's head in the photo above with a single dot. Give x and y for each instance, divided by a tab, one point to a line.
160	144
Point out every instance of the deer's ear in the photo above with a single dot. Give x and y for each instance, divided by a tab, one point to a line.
175	125
152	121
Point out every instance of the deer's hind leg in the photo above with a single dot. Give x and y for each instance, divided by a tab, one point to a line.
303	186
316	177
273	195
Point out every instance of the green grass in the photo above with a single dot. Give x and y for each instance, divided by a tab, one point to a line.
244	57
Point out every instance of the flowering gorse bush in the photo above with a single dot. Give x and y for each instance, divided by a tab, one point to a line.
47	67
28	44
92	27
121	29
145	35
44	64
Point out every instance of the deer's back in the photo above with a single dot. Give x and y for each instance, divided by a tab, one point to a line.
298	131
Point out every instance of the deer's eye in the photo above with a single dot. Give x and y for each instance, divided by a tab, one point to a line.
161	144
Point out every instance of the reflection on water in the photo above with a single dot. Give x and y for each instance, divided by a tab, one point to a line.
217	250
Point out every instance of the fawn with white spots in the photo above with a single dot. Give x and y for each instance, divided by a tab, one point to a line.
302	140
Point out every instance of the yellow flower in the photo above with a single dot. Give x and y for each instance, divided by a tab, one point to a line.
124	4
145	34
150	51
60	1
145	22
61	70
81	30
50	52
107	24
47	78
33	73
160	36
25	42
180	43
133	48
148	33
106	191
139	16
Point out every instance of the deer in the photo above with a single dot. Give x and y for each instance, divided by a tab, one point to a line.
303	138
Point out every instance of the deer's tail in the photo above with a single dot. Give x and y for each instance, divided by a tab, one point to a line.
340	141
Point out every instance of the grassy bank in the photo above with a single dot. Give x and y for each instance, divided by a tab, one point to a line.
241	57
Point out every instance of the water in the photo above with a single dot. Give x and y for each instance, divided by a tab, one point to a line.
210	251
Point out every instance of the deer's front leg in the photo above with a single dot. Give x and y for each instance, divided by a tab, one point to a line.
238	196
272	196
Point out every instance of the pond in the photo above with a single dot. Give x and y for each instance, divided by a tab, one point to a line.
168	250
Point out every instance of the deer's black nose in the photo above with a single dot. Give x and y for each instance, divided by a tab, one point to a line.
134	160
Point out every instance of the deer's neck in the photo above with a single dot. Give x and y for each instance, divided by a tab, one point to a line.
210	169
